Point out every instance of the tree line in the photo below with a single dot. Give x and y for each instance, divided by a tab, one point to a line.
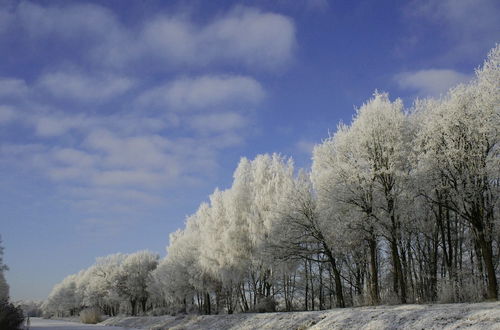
399	206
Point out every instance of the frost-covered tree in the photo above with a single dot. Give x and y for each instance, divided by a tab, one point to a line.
303	234
259	189
132	278
63	299
459	152
223	254
106	285
99	288
185	284
359	174
345	184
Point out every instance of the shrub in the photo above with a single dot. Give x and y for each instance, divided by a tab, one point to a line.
266	305
158	311
47	315
389	297
11	317
467	290
90	316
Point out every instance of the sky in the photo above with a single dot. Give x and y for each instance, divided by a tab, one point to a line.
118	118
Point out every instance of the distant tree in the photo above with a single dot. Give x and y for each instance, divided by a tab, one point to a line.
11	317
30	308
63	300
4	287
101	290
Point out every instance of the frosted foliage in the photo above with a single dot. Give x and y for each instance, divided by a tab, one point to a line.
170	281
259	191
241	219
228	237
459	141
104	275
458	157
222	255
352	168
239	209
104	285
300	217
63	297
180	273
134	273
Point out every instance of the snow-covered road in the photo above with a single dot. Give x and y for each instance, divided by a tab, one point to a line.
42	324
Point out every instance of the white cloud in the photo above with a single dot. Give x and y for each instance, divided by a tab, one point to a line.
169	38
134	177
432	82
13	87
47	126
7	114
67	22
74	157
203	92
255	37
146	162
471	26
132	155
110	194
209	91
305	147
217	122
146	151
82	87
52	124
472	15
243	35
69	173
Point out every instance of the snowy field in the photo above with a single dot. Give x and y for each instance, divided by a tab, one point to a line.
43	324
438	316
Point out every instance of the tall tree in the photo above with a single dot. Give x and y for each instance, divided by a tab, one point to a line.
363	166
133	278
460	151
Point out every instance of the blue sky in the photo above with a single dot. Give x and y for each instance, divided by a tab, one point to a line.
117	118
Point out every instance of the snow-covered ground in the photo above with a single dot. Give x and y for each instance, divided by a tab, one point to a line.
43	324
438	316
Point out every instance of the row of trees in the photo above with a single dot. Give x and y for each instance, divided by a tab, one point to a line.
114	284
401	205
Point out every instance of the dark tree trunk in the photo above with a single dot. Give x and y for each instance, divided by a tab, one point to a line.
398	283
336	274
133	303
306	293
374	290
486	251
